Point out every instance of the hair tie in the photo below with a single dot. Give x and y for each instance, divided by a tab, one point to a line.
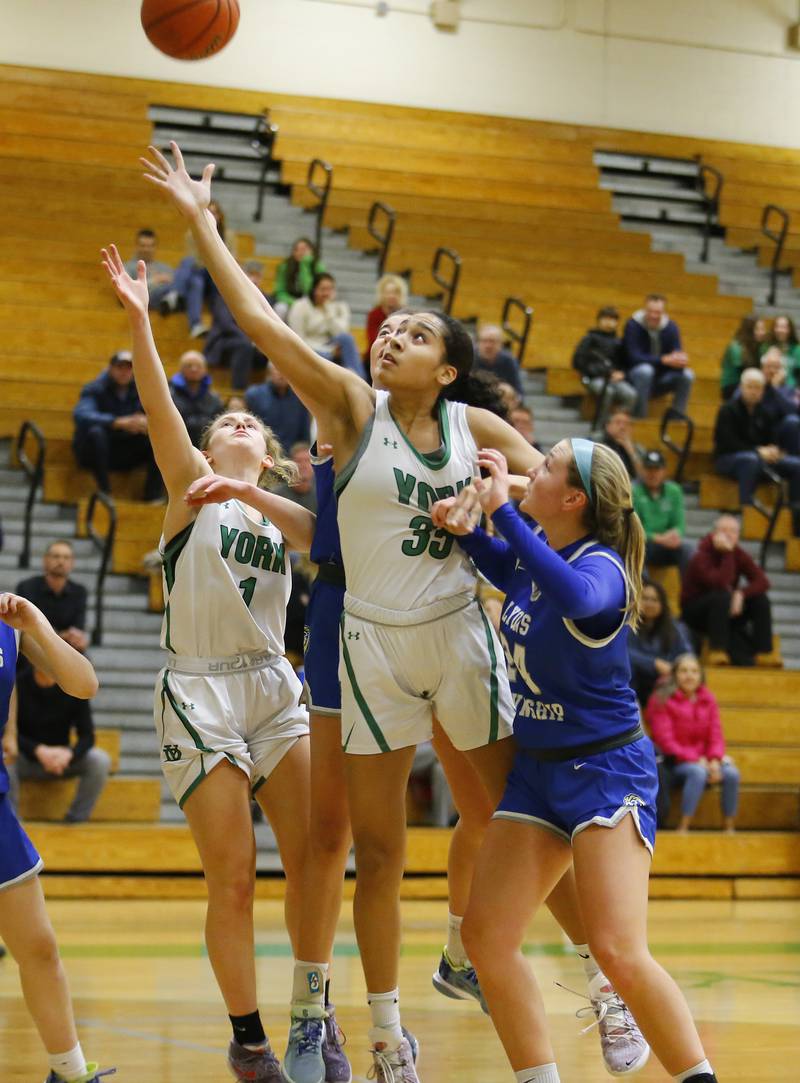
583	450
629	511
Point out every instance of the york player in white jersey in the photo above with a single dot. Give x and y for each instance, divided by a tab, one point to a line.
226	703
413	638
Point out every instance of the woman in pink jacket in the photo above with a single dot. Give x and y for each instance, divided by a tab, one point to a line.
685	725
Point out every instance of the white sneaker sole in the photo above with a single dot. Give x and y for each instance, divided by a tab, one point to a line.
448	990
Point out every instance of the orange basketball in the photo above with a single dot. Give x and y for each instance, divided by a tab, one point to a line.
190	29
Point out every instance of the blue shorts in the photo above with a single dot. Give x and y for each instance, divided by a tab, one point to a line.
569	795
18	857
321	648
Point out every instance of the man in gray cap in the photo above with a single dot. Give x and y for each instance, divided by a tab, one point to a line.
660	506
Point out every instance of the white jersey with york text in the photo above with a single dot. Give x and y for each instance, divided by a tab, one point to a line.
394	557
227	580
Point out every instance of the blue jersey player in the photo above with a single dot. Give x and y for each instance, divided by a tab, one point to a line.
24	925
583	784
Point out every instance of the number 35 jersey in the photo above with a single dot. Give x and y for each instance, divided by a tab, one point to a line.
393	556
227	580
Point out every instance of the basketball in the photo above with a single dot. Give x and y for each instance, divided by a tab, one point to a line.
190	31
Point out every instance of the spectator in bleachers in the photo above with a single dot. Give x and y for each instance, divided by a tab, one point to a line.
295	276
303	490
191	282
61	599
660	505
508	393
521	417
784	336
744	351
781	402
236	402
618	435
746	439
686	728
191	392
46	719
279	408
724	598
159	275
654	359
226	344
657	641
391	294
599	354
492	357
111	428
323	323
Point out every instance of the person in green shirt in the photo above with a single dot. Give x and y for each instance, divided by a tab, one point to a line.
295	276
742	352
659	504
784	336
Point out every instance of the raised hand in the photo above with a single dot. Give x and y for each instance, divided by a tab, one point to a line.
214	489
132	292
494	494
19	613
191	197
459	514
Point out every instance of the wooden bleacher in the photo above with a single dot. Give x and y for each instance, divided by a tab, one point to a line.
520	200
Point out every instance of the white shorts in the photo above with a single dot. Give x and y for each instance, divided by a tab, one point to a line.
247	714
394	679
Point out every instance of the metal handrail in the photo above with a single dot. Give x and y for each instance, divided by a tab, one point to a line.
449	285
105	546
519	338
778	240
35	473
321	191
681	450
771	515
384	239
711	201
263	141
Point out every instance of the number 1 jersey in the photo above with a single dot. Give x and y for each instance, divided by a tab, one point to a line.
393	556
227	580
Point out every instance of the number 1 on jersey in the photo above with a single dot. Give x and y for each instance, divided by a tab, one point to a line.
247	586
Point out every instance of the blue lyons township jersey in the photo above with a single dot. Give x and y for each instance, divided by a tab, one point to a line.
326	547
563	632
8	672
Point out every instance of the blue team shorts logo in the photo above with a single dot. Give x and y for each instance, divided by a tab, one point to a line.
634	799
313	982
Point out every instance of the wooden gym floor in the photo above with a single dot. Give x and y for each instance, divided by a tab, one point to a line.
146	1001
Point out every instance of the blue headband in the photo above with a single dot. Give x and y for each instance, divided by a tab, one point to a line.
583	451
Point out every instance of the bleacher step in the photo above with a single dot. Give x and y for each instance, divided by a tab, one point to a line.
124	799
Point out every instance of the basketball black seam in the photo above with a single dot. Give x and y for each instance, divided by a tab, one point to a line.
205	30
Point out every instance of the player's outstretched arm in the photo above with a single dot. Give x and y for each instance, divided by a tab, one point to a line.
46	650
294	522
179	462
328	390
489	430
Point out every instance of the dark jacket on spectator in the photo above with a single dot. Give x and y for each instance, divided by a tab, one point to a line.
778	402
596	342
505	367
738	429
622	451
643	346
47	716
284	414
643	649
64	610
197	409
711	569
102	401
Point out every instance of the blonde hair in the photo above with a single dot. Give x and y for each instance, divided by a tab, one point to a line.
283	468
392	280
610	517
664	689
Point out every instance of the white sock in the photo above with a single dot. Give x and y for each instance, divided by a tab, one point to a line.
69	1066
456	952
590	966
384	1008
703	1068
308	989
545	1073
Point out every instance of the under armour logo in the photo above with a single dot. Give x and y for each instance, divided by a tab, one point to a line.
188	706
354	635
171	753
389	443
